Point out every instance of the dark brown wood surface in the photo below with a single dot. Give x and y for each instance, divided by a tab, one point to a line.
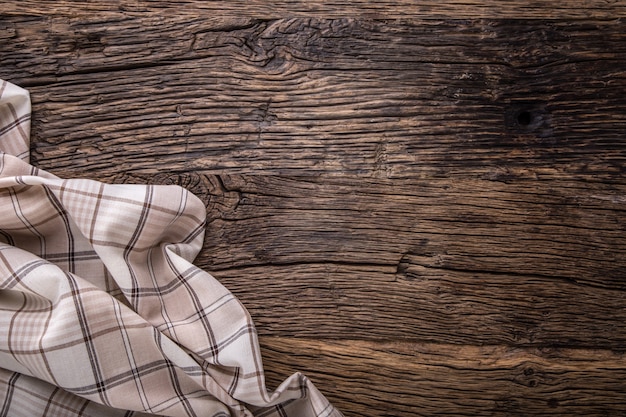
422	205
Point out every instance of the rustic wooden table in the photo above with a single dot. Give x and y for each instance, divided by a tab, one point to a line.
422	204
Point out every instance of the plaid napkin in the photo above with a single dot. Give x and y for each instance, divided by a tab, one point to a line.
102	312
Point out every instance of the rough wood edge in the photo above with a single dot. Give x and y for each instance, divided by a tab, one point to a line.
531	9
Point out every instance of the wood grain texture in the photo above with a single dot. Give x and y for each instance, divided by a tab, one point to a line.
433	380
398	9
422	204
446	261
310	96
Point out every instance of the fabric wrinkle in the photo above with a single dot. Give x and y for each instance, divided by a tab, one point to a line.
102	311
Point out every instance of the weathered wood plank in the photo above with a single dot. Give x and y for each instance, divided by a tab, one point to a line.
457	287
53	46
448	261
330	301
395	379
490	99
535	9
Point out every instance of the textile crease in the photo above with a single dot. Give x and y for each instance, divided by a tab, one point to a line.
102	311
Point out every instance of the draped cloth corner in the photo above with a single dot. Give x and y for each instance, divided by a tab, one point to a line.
102	312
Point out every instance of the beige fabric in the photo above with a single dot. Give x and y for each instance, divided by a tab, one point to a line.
102	312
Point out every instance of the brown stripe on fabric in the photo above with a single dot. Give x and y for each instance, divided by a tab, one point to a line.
26	309
109	244
172	286
3	85
81	411
16	123
9	394
60	211
12	329
20	215
159	291
17	275
78	256
175	383
88	339
169	402
23	134
258	364
34	225
212	308
234	382
304	390
134	299
130	356
181	205
65	345
197	304
201	223
277	409
41	398
93	321
281	410
247	329
121	378
126	200
198	230
42	350
96	211
50	402
328	409
7	238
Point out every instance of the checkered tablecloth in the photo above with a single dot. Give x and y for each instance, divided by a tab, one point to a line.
102	312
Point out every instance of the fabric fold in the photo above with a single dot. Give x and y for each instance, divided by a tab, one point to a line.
102	311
